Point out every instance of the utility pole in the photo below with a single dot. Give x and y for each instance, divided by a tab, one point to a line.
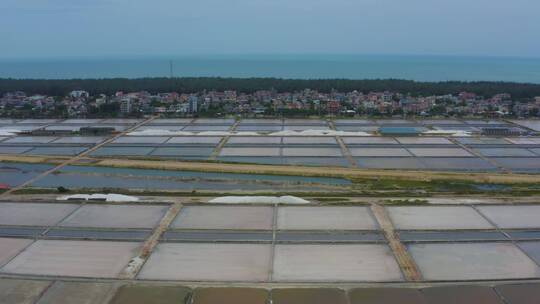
171	75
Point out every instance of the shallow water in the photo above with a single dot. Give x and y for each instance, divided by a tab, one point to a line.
324	236
217	236
20	232
103	177
206	175
98	234
14	174
418	236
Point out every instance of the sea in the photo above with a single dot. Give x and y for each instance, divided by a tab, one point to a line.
419	68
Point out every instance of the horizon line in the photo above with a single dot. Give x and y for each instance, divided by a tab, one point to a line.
252	55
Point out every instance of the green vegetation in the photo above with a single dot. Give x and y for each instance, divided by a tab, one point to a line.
323	196
424	188
414	185
249	85
406	202
62	189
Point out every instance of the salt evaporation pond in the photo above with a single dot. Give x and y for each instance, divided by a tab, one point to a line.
103	177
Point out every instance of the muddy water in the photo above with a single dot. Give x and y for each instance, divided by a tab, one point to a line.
137	294
386	296
230	296
308	296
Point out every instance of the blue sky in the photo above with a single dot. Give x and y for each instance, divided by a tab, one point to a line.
79	28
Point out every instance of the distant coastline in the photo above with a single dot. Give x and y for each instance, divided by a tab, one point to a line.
424	68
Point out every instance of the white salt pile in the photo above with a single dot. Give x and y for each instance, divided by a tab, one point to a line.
159	132
458	133
319	133
259	200
102	197
9	132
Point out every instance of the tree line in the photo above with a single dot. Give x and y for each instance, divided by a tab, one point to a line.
61	87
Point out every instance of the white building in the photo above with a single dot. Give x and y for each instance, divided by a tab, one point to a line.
79	94
126	106
193	104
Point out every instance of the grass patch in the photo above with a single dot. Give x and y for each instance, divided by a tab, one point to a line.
344	204
411	185
331	199
443	186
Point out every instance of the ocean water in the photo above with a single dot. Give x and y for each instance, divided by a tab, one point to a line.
420	68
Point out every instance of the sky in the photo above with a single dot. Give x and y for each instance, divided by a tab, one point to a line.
112	28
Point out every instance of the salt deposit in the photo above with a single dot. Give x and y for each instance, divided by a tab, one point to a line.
310	132
134	265
319	133
98	196
157	132
259	200
214	133
245	134
457	133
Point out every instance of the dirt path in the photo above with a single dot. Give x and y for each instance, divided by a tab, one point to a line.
136	263
405	261
344	149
